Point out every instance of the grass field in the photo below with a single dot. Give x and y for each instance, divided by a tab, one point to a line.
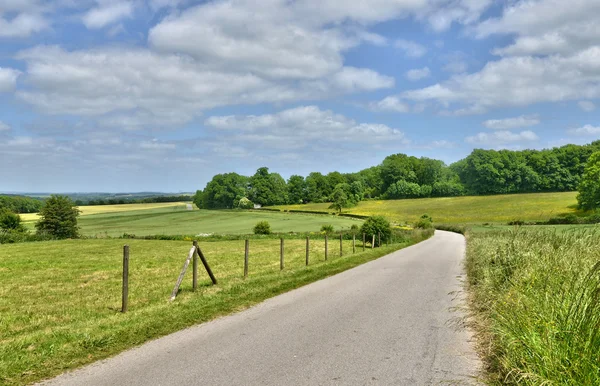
535	294
174	219
60	300
464	210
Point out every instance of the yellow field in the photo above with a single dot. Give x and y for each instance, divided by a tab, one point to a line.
464	210
96	209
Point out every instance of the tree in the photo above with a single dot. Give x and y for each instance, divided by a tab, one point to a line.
267	188
10	222
59	218
223	191
375	225
339	198
296	187
589	187
317	187
244	203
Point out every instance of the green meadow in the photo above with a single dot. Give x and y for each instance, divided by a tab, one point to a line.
463	210
60	300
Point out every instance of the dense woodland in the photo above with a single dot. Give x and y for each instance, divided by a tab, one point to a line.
400	176
20	204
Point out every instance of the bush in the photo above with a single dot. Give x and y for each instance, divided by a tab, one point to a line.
425	222
10	221
375	225
262	228
59	218
244	203
354	228
327	228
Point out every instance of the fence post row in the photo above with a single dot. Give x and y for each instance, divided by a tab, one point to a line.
247	250
125	296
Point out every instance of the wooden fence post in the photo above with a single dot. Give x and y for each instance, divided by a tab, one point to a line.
247	250
281	255
205	263
125	278
307	248
379	239
325	247
373	242
195	268
180	278
341	244
364	241
353	243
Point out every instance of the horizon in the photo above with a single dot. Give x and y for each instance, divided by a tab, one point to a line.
109	96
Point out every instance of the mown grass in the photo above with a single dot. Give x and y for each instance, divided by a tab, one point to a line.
536	298
464	210
176	220
60	301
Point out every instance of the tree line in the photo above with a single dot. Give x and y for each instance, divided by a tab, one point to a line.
482	172
20	204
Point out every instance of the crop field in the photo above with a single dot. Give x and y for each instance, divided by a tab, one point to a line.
536	304
148	219
463	210
98	209
60	300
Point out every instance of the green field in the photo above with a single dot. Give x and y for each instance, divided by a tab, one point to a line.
536	300
464	210
60	300
176	220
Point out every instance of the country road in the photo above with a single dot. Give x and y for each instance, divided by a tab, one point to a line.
387	322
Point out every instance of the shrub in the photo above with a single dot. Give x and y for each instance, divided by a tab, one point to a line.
262	228
10	221
375	225
244	203
354	228
327	228
425	222
59	218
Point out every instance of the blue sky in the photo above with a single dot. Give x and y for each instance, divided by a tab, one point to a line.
132	95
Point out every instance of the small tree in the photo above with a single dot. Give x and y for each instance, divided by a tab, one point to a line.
375	225
262	228
59	218
589	187
10	222
339	198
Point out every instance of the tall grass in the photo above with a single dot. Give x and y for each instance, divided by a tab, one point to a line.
536	295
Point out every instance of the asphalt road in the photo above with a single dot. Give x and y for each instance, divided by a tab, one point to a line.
387	322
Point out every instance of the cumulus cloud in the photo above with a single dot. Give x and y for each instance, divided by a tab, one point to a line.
390	103
106	13
22	25
8	79
586	130
512	123
501	137
302	125
4	127
586	106
418	74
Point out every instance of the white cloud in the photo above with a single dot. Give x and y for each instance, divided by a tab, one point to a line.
157	145
390	103
512	123
418	73
586	106
498	138
520	81
300	126
22	25
586	130
411	49
8	79
107	12
4	127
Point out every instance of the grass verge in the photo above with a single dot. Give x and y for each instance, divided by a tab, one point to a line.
535	294
60	300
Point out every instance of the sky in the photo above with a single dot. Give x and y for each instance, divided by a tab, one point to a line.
160	95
